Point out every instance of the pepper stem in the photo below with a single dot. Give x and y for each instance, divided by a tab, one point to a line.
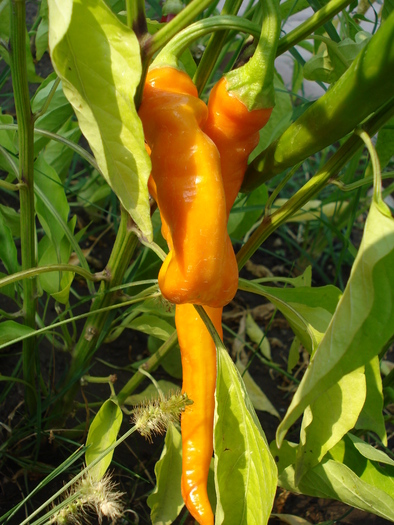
253	82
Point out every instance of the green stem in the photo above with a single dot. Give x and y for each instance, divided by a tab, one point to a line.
166	33
324	176
75	147
309	26
122	251
9	186
136	17
214	47
34	272
253	82
169	55
151	364
26	175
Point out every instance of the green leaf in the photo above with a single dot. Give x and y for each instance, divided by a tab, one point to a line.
371	417
246	212
51	191
8	136
256	335
245	472
370	452
102	434
279	120
56	284
166	500
330	64
334	480
11	219
294	354
58	112
388	7
152	325
41	40
4	19
58	155
10	330
328	419
308	310
8	289
98	60
259	400
291	520
8	252
363	322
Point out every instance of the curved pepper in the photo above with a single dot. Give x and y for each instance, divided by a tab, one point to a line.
200	267
198	354
235	131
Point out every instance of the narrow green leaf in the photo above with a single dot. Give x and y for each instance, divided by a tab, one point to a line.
50	186
166	500
371	417
244	214
256	335
8	136
8	252
348	477
363	322
41	39
102	434
152	325
245	472
370	452
12	219
8	290
259	400
56	114
98	60
308	310
10	330
328	419
291	520
58	155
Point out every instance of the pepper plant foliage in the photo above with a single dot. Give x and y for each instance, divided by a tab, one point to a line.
74	166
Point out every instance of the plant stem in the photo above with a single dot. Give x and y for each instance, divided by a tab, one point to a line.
136	19
26	175
33	272
214	47
182	19
122	251
315	21
324	176
150	365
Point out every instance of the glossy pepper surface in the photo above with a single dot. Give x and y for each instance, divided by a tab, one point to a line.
235	131
198	353
200	267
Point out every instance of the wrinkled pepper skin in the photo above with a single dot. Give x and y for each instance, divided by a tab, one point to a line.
198	353
201	267
235	131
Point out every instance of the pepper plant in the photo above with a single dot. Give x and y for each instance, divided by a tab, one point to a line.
180	153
